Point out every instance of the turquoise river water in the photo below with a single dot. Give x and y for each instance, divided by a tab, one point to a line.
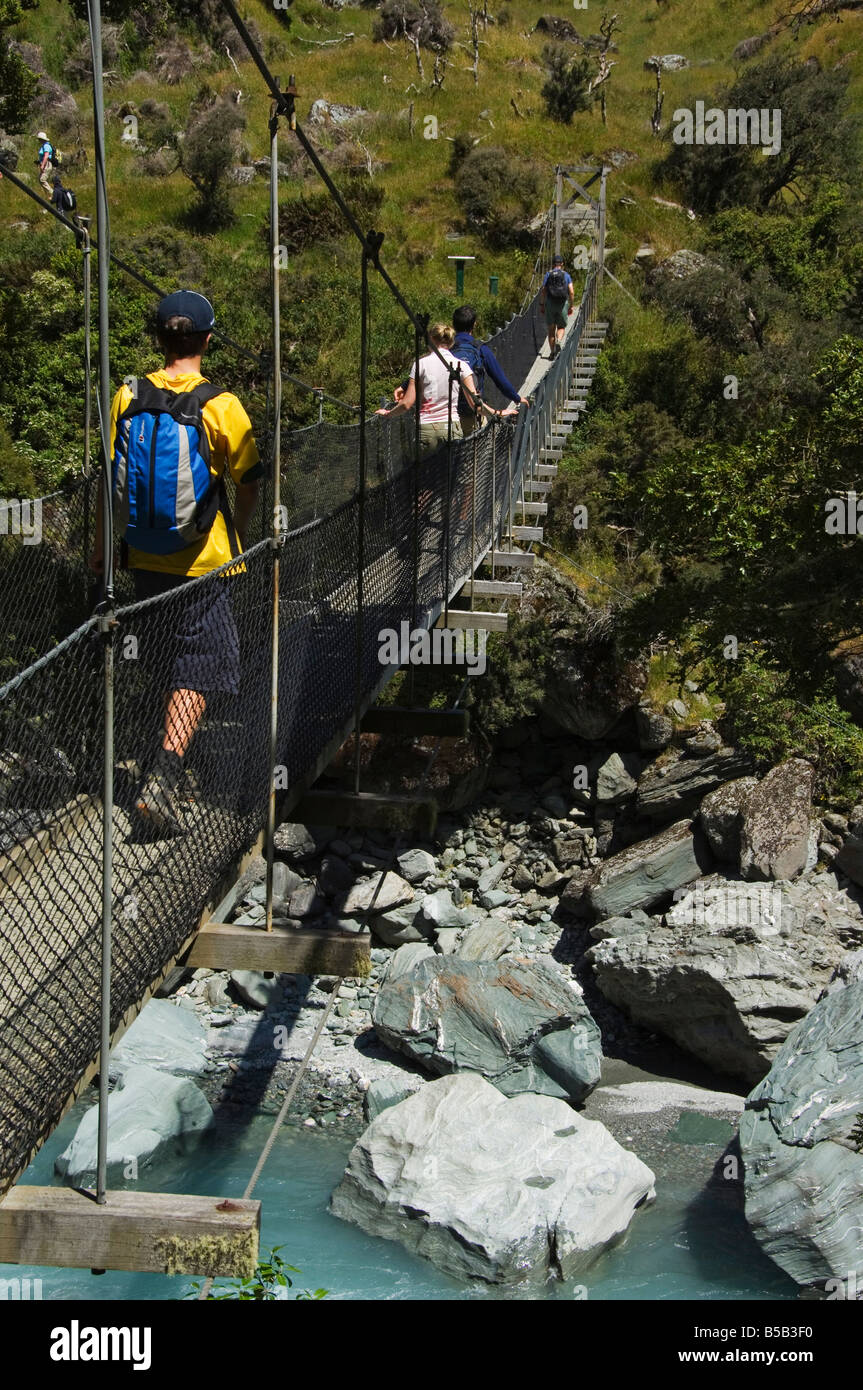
692	1243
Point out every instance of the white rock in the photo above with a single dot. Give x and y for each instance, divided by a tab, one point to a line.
393	892
148	1113
503	1190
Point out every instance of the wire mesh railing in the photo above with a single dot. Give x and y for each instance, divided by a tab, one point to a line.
52	763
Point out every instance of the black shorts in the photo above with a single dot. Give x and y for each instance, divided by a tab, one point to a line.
191	642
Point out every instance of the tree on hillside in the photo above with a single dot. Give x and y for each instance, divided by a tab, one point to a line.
608	28
818	139
207	150
498	194
567	86
17	82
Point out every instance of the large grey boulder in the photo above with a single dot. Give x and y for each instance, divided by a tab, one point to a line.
165	1037
149	1115
407	957
389	1090
731	967
491	1017
385	891
439	912
401	925
297	841
774	835
257	989
803	1170
642	874
617	778
487	940
670	790
416	864
720	816
490	1188
655	731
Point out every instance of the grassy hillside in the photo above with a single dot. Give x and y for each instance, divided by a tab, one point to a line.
419	215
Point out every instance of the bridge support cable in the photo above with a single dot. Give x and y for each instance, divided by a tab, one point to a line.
106	617
370	248
276	504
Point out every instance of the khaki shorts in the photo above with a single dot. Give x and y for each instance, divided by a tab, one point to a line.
556	313
435	433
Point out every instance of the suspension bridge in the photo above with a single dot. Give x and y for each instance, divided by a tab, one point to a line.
94	917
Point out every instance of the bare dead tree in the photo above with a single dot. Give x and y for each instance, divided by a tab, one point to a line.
474	39
656	118
441	63
608	28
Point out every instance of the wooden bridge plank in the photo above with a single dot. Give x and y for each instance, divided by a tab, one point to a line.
462	619
284	950
149	1232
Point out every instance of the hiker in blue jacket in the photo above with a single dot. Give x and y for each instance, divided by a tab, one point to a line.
480	359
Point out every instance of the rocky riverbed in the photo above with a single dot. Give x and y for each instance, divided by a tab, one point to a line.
618	894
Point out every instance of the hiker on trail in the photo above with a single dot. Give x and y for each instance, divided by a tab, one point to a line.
481	360
171	443
556	301
439	419
64	200
46	159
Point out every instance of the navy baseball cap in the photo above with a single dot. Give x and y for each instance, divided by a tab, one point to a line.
188	305
556	260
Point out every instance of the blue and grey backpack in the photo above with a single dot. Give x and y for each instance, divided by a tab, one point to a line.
165	496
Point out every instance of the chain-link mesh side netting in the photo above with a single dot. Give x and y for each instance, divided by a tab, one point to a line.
50	887
206	644
46	587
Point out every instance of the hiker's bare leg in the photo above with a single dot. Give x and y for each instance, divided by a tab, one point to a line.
183	714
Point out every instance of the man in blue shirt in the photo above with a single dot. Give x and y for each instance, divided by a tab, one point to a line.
556	301
481	360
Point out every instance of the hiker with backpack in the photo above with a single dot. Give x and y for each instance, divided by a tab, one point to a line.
46	159
65	201
481	361
172	440
556	302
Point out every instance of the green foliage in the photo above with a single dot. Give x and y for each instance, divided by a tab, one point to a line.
856	1135
566	90
513	685
271	1276
207	153
17	82
315	218
16	468
819	139
764	716
802	248
498	194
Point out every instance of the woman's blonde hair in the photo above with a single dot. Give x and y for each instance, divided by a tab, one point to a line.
442	334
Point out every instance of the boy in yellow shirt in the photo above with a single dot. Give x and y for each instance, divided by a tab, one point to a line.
171	442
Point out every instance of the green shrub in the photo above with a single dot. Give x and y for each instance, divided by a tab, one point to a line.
764	716
566	89
498	194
